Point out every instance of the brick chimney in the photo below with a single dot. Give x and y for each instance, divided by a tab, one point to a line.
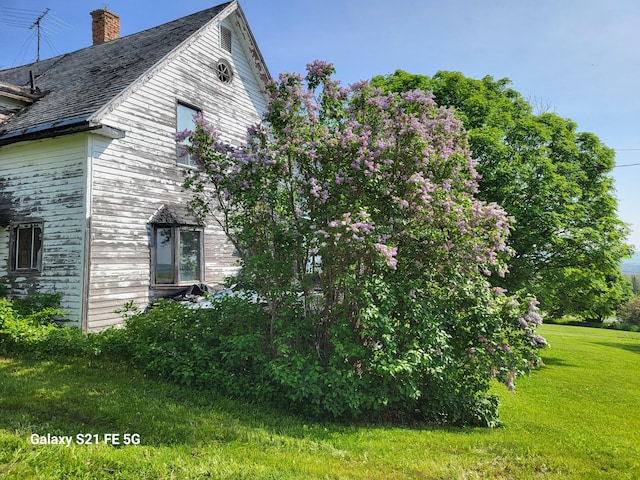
105	26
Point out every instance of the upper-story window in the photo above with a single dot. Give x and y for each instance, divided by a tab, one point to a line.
185	115
26	247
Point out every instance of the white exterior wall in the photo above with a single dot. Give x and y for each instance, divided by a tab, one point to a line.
44	180
134	176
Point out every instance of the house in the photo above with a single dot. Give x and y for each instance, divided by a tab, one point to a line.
91	198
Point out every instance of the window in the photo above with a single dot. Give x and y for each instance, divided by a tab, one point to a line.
225	38
178	254
224	71
185	121
26	247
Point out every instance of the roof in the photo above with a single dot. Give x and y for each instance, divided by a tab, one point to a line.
77	85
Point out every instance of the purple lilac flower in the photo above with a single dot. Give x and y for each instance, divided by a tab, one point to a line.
183	135
320	68
388	253
539	341
510	381
315	187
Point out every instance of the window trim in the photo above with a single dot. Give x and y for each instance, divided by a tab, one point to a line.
13	246
175	255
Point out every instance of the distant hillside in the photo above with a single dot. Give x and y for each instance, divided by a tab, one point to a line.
631	265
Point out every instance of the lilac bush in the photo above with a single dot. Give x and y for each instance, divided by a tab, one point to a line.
355	218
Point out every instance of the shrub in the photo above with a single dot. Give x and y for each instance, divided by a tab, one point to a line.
44	303
629	313
355	218
222	348
28	328
436	365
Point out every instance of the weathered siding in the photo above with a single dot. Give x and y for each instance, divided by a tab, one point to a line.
45	180
133	177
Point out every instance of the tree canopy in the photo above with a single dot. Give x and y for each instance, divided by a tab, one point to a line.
552	180
357	224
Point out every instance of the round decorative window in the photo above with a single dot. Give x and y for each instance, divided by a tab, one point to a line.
224	71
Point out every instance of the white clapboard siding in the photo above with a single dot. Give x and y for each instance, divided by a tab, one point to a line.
45	180
134	176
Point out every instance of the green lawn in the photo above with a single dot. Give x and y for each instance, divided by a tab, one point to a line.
579	417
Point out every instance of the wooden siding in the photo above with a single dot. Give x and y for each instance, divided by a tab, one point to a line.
45	180
135	176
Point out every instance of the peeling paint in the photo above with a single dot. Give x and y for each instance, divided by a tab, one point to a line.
6	203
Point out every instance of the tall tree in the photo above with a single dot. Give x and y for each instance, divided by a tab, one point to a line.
553	180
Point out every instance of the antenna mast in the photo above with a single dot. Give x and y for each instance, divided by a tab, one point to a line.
38	26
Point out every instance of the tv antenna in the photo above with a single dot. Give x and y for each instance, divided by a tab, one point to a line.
24	18
38	25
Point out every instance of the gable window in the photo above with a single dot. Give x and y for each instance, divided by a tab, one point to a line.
225	38
26	247
224	71
178	254
185	121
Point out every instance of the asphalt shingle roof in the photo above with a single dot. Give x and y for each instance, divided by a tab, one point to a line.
80	83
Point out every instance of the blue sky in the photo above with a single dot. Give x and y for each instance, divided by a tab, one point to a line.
581	58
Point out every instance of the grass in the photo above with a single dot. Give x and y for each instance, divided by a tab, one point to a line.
579	417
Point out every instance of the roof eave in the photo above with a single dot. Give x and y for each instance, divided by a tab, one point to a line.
259	64
57	129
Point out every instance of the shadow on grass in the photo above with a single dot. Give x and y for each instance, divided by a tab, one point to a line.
555	362
75	396
70	397
635	348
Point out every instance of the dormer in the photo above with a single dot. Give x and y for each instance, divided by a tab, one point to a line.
14	98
